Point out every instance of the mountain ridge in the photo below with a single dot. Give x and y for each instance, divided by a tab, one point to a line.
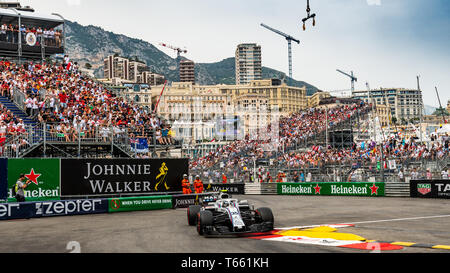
92	44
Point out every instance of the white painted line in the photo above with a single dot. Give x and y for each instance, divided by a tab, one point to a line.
400	219
365	222
313	226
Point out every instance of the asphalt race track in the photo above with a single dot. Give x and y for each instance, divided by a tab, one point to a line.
421	221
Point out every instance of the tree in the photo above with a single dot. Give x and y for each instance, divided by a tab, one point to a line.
441	112
87	65
394	120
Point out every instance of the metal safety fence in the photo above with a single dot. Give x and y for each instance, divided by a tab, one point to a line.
391	170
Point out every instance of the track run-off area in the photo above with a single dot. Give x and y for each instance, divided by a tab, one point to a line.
304	224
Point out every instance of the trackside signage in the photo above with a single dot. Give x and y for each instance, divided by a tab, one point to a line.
236	188
43	174
186	200
70	207
94	177
52	208
430	188
3	179
139	203
333	189
9	211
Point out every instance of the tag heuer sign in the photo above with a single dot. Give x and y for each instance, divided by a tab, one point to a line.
31	39
424	188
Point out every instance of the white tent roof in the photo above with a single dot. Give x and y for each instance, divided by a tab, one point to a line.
445	129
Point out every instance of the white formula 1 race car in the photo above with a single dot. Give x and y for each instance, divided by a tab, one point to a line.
223	215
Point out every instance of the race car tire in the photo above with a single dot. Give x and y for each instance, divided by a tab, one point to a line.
192	212
205	219
264	215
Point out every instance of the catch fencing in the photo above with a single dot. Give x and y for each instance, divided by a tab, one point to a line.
333	172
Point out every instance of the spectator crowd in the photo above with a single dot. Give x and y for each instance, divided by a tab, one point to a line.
292	129
9	33
243	154
75	106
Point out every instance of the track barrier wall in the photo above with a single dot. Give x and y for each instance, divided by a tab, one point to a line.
186	200
44	175
26	210
233	188
370	189
430	188
56	179
87	177
3	179
139	203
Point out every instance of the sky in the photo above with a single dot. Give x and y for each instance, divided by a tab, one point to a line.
386	43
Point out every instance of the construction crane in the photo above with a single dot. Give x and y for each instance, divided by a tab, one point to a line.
313	16
351	76
157	103
440	107
289	39
177	49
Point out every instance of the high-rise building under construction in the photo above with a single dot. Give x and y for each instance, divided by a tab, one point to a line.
187	71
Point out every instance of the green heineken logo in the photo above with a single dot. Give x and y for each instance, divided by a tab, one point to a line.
43	174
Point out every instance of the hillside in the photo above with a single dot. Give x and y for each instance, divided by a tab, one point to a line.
91	44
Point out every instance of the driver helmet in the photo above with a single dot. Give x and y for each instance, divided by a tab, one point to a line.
225	204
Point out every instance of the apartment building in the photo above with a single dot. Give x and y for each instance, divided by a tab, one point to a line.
119	70
152	78
248	63
314	100
116	67
139	93
136	69
251	106
287	99
193	110
405	105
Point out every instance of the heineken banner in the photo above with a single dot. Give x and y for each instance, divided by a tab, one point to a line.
430	188
331	188
3	179
43	175
236	188
139	203
97	177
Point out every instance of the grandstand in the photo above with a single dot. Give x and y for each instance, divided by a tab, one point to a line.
71	115
337	152
48	108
